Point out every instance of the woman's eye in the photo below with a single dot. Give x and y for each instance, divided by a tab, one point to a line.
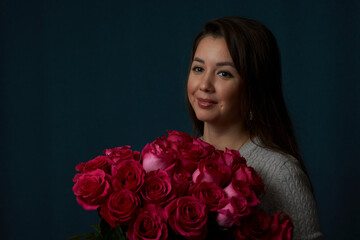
225	74
197	69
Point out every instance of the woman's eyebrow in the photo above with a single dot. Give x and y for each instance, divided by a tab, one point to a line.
196	59
225	64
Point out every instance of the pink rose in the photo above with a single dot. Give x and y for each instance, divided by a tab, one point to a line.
180	181
119	154
204	144
212	171
238	188
157	155
100	162
190	153
281	227
128	174
121	207
249	175
157	187
150	223
91	188
255	226
210	193
218	155
178	137
188	217
233	159
235	209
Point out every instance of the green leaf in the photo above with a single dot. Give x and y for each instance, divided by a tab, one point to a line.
99	237
109	233
96	228
104	226
120	233
114	233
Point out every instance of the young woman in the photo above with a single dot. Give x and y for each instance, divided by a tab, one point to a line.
235	101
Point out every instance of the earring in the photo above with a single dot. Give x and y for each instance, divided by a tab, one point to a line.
251	117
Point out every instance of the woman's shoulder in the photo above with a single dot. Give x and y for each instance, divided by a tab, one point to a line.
264	159
280	172
287	188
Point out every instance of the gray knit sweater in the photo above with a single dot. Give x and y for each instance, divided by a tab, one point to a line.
287	188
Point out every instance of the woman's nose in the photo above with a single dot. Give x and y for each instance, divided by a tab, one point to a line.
207	83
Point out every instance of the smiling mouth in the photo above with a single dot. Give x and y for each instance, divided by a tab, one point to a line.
206	103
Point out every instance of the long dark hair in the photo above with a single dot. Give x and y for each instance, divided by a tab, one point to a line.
256	56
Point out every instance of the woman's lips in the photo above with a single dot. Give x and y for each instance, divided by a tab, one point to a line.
206	103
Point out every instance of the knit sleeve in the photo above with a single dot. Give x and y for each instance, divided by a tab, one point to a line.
289	190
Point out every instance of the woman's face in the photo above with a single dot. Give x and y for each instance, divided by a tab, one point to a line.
214	84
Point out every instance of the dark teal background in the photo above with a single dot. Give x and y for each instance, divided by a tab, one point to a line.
81	76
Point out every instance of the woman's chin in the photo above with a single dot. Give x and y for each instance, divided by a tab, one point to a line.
205	118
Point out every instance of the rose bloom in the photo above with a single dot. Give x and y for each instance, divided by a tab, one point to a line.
236	208
176	137
91	188
100	162
190	153
157	187
119	154
150	223
210	193
239	188
281	227
180	181
212	171
255	226
249	175
218	156
188	217
121	207
128	174
157	155
233	159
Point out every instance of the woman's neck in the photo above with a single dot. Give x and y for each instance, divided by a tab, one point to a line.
232	137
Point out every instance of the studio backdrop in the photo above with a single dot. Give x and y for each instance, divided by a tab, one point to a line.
80	76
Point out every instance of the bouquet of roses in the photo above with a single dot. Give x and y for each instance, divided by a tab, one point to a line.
178	187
